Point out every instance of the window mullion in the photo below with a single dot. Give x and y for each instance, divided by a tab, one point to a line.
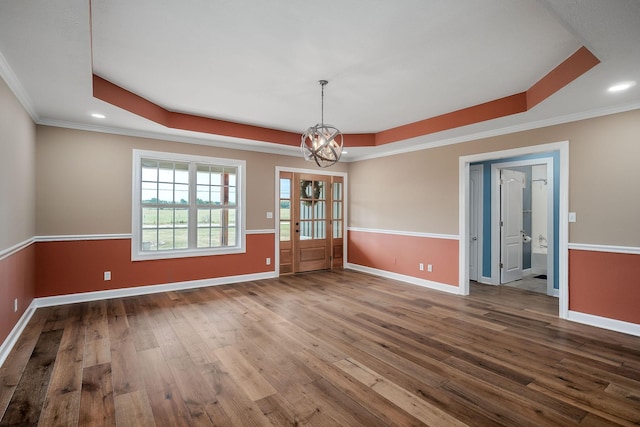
193	208
225	209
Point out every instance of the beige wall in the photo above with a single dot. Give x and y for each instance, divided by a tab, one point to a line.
84	180
17	171
418	191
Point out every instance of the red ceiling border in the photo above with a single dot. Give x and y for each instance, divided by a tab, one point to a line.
573	67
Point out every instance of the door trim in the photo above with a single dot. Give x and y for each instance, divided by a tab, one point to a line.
276	204
479	170
563	209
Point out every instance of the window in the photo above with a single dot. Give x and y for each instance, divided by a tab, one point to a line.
285	209
186	205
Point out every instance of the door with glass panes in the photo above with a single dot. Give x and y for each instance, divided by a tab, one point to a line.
311	222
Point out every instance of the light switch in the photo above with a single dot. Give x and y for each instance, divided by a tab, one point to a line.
269	215
572	217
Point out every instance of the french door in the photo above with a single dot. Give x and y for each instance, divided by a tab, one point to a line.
311	222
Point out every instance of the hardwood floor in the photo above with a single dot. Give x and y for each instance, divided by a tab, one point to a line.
320	349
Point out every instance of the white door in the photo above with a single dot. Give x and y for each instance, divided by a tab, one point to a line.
511	235
475	221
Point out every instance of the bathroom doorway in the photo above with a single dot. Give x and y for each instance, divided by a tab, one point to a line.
557	250
525	224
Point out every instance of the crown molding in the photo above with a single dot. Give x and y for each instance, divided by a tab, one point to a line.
214	141
16	87
270	148
501	131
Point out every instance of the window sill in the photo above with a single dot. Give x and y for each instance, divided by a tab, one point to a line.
172	254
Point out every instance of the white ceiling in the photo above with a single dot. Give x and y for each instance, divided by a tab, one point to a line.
388	62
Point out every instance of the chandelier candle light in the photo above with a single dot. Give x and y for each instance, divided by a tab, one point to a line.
322	143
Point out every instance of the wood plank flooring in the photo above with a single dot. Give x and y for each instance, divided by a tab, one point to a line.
322	349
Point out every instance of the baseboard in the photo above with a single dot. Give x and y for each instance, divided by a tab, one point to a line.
605	323
526	272
12	338
404	278
150	289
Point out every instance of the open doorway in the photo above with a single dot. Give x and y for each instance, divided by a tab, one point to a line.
524	225
489	237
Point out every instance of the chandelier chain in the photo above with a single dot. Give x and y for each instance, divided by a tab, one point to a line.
322	84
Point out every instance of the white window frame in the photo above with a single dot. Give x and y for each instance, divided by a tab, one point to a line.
137	254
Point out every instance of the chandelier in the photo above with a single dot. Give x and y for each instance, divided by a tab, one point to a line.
322	143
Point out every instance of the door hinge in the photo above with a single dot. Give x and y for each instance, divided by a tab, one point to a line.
501	223
501	265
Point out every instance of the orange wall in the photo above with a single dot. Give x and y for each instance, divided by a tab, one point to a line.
17	280
605	284
69	267
403	254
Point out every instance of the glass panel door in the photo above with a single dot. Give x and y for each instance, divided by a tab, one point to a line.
311	243
311	222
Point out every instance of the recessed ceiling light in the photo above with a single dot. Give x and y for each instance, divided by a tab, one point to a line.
98	116
621	86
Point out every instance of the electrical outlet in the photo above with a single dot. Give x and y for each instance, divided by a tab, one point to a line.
107	275
15	305
421	267
429	268
268	261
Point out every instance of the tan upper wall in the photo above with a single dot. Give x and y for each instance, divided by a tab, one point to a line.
418	191
17	171
84	180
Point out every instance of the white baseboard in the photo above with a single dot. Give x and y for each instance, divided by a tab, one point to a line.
404	278
605	323
12	338
149	289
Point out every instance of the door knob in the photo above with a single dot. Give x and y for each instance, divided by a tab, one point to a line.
473	239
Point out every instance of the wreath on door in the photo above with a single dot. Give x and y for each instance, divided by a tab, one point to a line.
310	190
